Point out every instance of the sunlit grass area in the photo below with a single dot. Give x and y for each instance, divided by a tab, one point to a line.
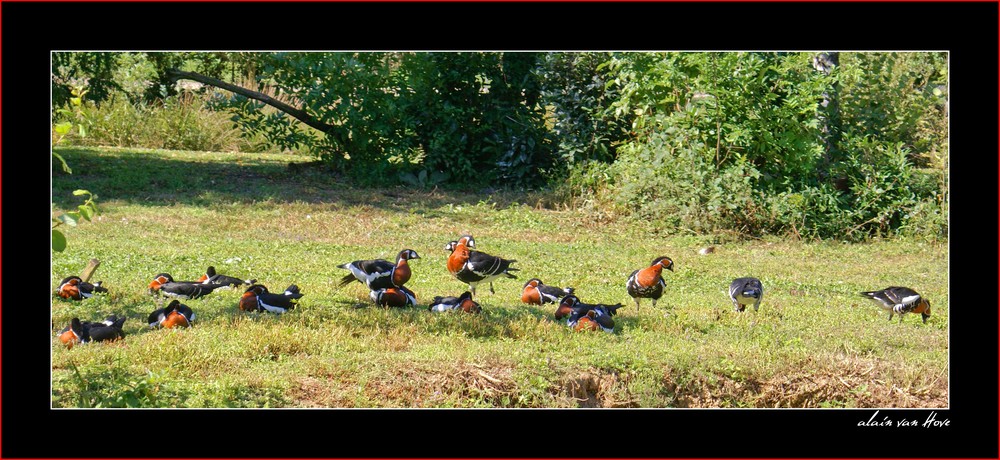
814	343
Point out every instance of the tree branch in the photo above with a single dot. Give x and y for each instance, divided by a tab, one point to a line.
299	114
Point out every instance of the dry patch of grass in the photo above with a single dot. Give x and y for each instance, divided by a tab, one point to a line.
848	382
596	389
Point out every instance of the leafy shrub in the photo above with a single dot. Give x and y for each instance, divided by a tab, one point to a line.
476	116
177	122
671	181
897	97
575	87
389	116
183	124
754	143
352	93
927	220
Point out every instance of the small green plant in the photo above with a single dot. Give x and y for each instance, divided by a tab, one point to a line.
85	211
115	388
180	122
70	116
423	179
89	208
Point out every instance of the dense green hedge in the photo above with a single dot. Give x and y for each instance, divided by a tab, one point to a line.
766	142
738	143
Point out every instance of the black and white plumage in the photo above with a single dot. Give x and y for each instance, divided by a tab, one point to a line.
484	268
86	331
535	292
380	273
212	277
466	240
647	283
474	267
109	321
165	316
398	297
463	302
75	288
164	284
102	332
264	300
746	291
901	300
574	310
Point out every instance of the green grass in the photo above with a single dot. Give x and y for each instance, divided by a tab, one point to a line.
814	343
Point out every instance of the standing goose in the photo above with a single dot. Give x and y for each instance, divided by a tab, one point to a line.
901	300
380	273
746	291
474	267
647	283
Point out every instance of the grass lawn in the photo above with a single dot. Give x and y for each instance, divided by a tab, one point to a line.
814	343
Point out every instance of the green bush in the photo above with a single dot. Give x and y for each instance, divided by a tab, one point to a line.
897	97
735	142
575	88
392	116
181	122
476	116
672	182
757	143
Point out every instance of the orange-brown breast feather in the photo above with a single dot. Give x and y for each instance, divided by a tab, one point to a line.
649	276
249	301
402	273
530	296
70	291
393	298
175	320
585	324
68	338
155	284
468	306
458	258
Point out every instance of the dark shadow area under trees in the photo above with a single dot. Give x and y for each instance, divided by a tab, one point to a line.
152	180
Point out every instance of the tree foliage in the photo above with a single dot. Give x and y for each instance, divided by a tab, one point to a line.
743	142
475	116
577	89
471	117
735	141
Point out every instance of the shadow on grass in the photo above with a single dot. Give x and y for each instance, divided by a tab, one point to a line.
153	179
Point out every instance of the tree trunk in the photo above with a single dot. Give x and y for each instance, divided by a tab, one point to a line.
830	122
299	114
89	271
